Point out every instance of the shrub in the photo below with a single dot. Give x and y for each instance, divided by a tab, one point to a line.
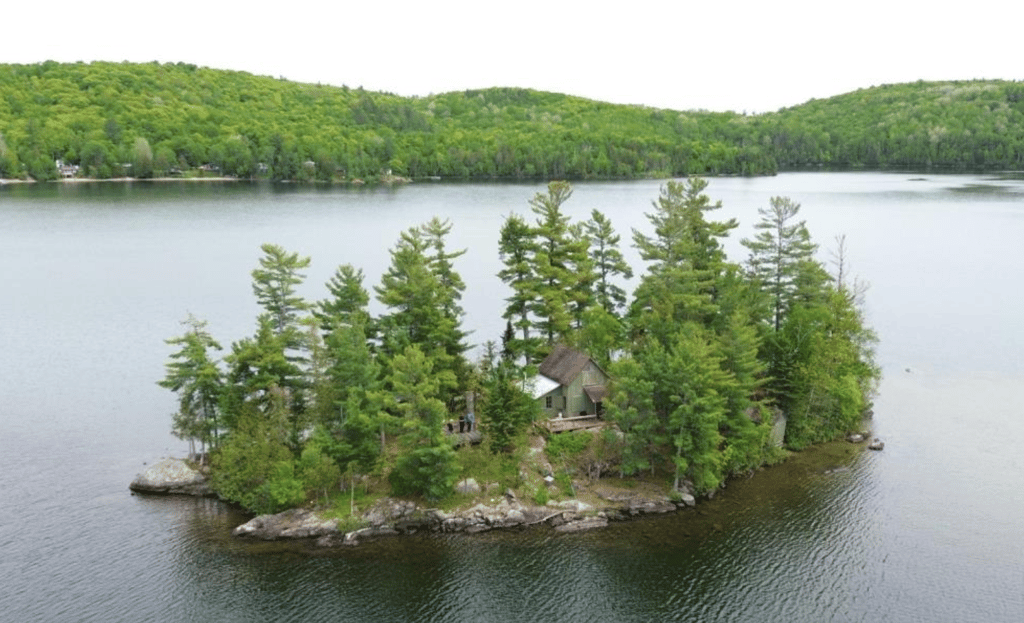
567	446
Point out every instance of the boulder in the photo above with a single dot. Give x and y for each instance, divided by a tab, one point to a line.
685	499
352	538
650	507
877	444
469	486
296	523
587	523
572	505
855	438
171	476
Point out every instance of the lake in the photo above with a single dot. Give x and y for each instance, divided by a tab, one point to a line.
95	276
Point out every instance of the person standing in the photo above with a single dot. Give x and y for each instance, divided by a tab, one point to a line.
470	420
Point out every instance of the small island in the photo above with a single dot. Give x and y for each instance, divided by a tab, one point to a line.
593	405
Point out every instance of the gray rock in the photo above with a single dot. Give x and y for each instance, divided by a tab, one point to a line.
855	438
588	523
650	507
469	486
171	476
291	524
685	499
572	505
352	538
515	517
877	444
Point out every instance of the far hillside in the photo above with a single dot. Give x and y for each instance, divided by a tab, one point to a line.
153	120
957	125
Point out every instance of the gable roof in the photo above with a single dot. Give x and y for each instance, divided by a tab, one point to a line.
541	386
563	364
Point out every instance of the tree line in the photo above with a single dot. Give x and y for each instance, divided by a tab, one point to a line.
704	354
151	120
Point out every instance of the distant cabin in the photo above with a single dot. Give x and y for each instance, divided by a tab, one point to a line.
571	385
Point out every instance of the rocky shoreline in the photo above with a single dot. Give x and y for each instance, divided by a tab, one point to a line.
604	502
393	517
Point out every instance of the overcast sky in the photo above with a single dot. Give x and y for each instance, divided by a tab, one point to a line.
742	55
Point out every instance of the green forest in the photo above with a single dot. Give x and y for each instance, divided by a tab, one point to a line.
156	120
705	354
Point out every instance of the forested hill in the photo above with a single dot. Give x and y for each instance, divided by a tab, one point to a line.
156	119
959	125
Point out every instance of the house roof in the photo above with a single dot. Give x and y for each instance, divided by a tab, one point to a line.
596	393
541	385
563	364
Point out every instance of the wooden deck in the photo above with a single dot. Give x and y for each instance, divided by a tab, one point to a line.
579	422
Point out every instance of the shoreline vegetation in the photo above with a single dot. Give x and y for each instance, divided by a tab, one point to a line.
479	508
388	179
706	362
143	120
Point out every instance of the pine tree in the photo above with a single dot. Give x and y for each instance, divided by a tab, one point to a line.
687	262
421	311
608	262
696	410
197	380
552	260
782	257
264	381
347	301
506	408
631	406
516	249
274	284
427	464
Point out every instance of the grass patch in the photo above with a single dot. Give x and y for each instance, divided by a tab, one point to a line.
484	467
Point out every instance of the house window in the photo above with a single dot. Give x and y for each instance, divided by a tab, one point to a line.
548	402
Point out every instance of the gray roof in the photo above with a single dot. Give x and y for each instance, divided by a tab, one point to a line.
564	364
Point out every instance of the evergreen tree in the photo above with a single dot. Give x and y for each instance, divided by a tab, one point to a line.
516	249
631	406
274	284
608	262
244	467
263	381
423	311
696	410
506	409
745	426
427	463
347	301
782	257
197	380
687	262
831	373
601	335
439	260
563	284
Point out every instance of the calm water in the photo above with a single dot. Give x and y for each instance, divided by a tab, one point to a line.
94	277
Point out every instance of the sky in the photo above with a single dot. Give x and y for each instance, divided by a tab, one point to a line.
739	55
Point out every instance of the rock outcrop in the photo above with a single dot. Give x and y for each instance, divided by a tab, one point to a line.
171	476
391	517
296	523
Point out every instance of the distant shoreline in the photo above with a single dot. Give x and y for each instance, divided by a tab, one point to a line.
80	180
388	179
